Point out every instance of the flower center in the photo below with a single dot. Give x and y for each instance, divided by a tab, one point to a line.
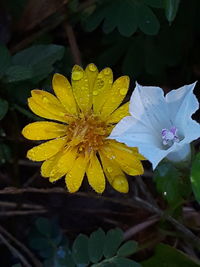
88	133
169	136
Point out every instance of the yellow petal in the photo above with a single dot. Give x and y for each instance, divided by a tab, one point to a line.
75	177
80	85
43	130
91	72
48	165
115	96
119	114
47	106
63	91
47	149
101	89
63	164
128	159
114	174
95	175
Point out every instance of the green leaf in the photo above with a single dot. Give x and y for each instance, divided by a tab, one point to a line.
18	73
44	226
195	177
3	108
171	8
127	248
147	21
5	153
5	59
113	240
166	256
95	245
40	243
154	3
122	262
166	177
80	250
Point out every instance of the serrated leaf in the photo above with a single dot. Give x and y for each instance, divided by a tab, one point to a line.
171	9
3	108
166	177
122	262
5	59
44	226
80	250
96	245
147	20
195	177
166	256
127	248
113	240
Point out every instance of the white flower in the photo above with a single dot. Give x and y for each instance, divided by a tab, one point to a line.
160	126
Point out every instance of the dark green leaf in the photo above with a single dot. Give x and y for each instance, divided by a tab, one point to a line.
166	177
113	240
166	256
195	177
154	3
122	262
127	249
40	243
18	73
5	59
171	8
5	153
3	108
44	226
147	21
80	250
96	244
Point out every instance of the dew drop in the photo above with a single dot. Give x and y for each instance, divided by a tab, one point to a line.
106	71
95	92
77	75
92	67
45	99
122	91
109	169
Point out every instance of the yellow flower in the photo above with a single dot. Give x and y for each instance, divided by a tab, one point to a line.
87	110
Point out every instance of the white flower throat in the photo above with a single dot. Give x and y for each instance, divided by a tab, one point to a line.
170	136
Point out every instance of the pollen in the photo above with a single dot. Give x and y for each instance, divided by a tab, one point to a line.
87	133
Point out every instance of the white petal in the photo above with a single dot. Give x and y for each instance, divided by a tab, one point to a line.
182	153
135	134
191	131
182	104
149	106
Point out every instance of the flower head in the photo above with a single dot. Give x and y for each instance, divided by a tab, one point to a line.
160	126
87	110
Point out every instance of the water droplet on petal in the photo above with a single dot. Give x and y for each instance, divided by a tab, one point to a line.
120	184
92	67
123	91
106	71
109	169
77	75
45	99
95	92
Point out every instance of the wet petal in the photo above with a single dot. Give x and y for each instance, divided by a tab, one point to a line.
115	96
91	72
101	89
75	177
63	91
48	165
119	114
46	150
95	175
43	130
80	85
113	172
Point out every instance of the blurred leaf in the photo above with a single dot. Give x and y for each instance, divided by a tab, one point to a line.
171	8
3	108
17	265
5	153
95	245
122	262
5	59
18	73
80	250
195	177
39	60
44	226
154	3
114	238
127	248
166	256
40	243
166	177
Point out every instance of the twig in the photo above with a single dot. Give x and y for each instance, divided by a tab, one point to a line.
22	246
21	212
23	205
73	43
139	227
14	251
